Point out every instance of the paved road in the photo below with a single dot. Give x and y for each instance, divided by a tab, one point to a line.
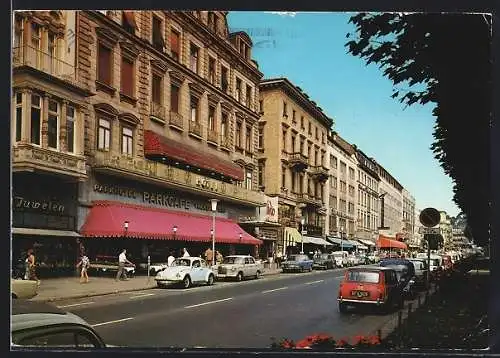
226	315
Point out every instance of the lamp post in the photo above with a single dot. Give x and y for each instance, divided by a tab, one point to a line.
241	235
214	209
302	222
125	226
174	229
342	238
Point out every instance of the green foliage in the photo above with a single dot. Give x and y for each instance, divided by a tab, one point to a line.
443	59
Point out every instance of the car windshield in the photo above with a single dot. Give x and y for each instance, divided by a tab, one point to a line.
363	276
233	260
323	256
181	262
297	258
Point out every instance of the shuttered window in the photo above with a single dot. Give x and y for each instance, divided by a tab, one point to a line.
174	99
127	77
104	65
175	44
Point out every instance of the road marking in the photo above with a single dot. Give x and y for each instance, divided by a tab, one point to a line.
276	289
110	322
76	304
143	295
312	282
209	303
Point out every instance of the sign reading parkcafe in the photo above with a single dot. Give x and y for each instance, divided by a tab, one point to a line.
163	199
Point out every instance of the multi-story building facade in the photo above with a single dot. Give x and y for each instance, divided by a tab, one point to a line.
417	235
293	161
391	204
47	130
446	229
368	214
408	216
159	118
342	188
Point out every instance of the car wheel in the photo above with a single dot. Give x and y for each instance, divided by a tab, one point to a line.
257	275
239	277
186	283
342	307
210	280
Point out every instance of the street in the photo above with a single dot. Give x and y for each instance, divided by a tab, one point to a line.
226	315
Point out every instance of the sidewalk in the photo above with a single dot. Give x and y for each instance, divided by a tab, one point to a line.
56	289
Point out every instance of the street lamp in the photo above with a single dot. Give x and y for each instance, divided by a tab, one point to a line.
241	235
125	226
214	209
174	229
302	222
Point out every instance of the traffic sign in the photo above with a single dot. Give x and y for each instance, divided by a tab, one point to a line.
430	217
429	230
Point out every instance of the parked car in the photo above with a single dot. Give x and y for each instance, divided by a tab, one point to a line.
340	258
186	271
421	272
37	324
298	262
239	267
377	286
405	272
108	265
20	288
155	268
324	261
373	258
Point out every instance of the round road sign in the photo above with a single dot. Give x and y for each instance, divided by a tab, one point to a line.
430	217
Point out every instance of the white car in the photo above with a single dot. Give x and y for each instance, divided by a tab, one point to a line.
186	271
23	288
239	267
340	258
155	268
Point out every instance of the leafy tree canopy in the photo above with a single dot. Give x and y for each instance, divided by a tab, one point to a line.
442	59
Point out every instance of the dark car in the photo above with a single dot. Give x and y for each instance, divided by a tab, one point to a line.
405	271
42	325
324	261
298	263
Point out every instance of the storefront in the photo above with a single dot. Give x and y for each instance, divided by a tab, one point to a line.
153	221
44	213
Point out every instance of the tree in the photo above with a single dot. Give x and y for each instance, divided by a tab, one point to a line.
442	59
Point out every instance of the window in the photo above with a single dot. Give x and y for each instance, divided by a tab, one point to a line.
52	52
158	41
18	32
127	140
35	36
284	140
261	138
128	21
334	206
193	58
351	190
293	182
19	116
127	77
351	208
60	339
238	134
310	128
334	182
53	125
224	79
104	134
302	122
301	146
248	139
194	109
223	125
237	94
174	99
175	44
333	161
285	112
248	97
293	116
211	70
261	169
156	89
211	21
309	151
261	107
70	129
323	137
293	143
36	112
211	118
342	168
351	173
104	64
317	135
283	177
248	181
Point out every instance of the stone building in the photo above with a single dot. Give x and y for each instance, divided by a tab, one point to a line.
408	216
293	161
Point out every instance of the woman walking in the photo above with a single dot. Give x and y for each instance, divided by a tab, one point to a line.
84	264
32	266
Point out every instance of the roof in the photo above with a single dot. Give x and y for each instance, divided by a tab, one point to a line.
343	144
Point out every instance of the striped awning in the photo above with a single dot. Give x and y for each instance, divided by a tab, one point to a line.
346	244
292	235
316	241
367	242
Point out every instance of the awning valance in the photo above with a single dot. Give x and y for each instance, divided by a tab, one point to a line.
106	219
343	243
44	232
367	242
292	235
385	242
362	247
316	241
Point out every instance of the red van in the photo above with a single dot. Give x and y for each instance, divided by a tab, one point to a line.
377	286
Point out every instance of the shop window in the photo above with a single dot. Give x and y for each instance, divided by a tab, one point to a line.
174	99
156	89
158	41
211	118
104	64
53	125
248	139
193	58
36	112
127	140
175	44
127	77
70	129
211	70
104	134
19	116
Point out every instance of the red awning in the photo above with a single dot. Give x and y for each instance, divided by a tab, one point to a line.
106	219
156	144
385	242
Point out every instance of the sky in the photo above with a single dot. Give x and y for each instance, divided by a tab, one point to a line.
308	48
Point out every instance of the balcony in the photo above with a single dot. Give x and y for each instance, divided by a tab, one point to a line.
176	121
225	142
158	111
212	137
27	157
195	129
319	173
313	229
35	58
172	177
309	199
297	161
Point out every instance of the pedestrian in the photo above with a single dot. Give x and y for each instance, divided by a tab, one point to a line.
218	257
122	260
84	265
185	253
170	258
209	256
32	266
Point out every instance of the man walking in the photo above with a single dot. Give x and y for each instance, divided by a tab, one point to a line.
122	260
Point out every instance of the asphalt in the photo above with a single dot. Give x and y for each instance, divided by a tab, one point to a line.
228	314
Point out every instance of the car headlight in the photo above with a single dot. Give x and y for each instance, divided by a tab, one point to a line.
233	269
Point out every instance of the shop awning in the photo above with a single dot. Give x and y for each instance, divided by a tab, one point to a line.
106	219
385	242
316	241
344	243
44	232
362	247
292	235
367	242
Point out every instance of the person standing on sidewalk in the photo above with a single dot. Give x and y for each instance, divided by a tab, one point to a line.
170	258
122	260
84	264
32	266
